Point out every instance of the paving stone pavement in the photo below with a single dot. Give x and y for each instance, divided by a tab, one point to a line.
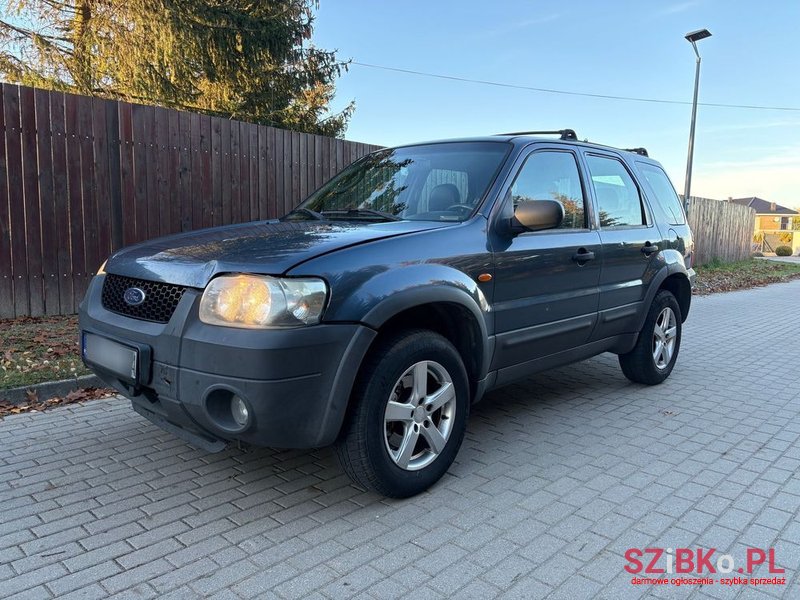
557	477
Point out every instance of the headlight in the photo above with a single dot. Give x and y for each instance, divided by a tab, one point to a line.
102	269
258	301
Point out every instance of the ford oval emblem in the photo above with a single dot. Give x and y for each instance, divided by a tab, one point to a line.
134	296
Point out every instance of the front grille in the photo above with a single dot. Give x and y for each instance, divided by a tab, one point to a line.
159	302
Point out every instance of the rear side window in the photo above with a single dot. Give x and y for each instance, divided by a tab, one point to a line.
618	200
664	193
552	175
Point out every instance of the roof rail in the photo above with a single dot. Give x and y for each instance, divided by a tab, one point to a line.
639	151
565	134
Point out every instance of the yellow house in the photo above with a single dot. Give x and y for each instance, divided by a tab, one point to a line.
776	225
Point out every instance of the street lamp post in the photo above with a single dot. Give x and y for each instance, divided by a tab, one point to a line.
693	37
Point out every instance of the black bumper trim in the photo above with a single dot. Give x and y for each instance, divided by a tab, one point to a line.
208	444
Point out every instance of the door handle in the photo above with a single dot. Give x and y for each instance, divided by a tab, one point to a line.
582	256
649	248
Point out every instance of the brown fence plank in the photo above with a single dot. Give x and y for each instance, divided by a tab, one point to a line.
340	164
161	152
272	196
244	170
140	151
102	184
74	178
234	175
16	197
111	110
225	169
263	199
47	203
302	169
286	159
294	198
215	172
252	166
30	181
282	169
127	181
205	171
173	172
85	139
63	239
319	144
326	157
6	273
185	161
151	173
196	168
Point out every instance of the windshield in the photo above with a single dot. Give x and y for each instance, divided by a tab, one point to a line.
435	182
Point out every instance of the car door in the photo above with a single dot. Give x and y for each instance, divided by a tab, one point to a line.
663	195
546	282
630	243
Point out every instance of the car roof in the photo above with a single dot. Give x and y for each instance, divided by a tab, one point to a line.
520	140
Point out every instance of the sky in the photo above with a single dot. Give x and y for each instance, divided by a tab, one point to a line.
612	47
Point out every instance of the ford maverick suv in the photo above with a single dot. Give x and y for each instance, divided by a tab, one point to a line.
374	314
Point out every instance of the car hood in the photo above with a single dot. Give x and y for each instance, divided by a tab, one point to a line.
265	247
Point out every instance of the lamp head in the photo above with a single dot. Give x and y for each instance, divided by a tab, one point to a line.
696	36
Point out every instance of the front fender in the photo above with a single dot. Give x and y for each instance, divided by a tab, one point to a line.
390	292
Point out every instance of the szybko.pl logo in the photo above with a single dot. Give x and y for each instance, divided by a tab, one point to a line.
700	563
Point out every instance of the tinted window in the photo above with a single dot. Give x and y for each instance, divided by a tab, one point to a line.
552	176
432	182
618	198
664	192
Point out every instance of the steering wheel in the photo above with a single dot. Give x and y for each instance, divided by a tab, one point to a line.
465	208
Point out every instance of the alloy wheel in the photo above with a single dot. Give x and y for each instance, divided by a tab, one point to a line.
419	415
665	335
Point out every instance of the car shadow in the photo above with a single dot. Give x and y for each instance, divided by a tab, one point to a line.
507	429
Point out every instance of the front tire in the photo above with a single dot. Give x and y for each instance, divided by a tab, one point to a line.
653	357
408	415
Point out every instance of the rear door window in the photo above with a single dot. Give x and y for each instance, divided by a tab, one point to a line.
618	200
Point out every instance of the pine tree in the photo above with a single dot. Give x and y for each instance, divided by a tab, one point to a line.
245	59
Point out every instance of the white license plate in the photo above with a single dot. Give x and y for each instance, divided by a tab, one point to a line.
112	356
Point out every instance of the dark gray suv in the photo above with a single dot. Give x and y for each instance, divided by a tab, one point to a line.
374	314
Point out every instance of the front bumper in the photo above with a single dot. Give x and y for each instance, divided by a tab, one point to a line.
295	382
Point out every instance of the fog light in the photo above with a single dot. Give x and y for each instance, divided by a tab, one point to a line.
239	411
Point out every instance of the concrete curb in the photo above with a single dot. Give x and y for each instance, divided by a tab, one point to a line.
50	389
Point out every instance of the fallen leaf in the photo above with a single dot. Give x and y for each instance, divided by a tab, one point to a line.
35	404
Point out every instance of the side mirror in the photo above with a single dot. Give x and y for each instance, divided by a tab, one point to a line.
536	215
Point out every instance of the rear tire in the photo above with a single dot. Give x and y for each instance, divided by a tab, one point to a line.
408	414
653	357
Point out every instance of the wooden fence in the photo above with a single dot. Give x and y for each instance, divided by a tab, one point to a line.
722	230
81	177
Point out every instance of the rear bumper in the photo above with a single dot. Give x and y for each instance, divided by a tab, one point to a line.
295	382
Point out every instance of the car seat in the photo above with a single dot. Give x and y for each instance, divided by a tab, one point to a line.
443	196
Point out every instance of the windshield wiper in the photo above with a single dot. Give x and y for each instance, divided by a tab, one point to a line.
361	212
308	212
